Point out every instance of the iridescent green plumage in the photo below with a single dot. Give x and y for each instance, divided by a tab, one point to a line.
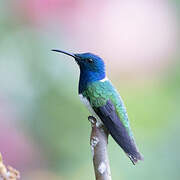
100	92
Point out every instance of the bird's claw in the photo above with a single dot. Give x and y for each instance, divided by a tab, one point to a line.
92	120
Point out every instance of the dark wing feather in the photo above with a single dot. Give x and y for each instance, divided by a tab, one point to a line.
118	131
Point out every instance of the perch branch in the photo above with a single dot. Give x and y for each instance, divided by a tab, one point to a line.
98	142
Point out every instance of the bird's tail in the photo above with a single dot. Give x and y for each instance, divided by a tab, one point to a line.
118	131
135	157
126	141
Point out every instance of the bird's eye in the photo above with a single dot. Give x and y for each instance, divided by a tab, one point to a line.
90	60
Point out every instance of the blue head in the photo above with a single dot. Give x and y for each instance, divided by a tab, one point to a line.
91	66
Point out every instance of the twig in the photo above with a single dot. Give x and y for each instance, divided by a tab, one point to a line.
98	142
8	173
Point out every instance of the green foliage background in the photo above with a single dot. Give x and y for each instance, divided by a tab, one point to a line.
42	87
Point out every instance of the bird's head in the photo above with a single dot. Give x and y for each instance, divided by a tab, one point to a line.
90	65
90	62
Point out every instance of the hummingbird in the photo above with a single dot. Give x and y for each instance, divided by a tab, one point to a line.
104	102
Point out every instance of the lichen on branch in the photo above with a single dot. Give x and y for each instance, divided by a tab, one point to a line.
98	142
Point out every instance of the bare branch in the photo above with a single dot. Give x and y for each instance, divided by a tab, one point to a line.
98	142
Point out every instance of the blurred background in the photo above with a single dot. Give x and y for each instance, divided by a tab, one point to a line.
44	131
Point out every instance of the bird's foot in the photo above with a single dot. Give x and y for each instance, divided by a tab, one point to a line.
92	120
95	122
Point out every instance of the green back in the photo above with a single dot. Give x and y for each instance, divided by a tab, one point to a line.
100	92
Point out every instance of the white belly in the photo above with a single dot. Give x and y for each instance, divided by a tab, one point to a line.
87	104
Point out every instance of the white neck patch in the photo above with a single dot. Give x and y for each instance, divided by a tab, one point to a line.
105	79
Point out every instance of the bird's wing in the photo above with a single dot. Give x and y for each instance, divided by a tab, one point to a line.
108	105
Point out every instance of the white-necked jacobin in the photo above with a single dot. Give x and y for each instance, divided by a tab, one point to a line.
104	101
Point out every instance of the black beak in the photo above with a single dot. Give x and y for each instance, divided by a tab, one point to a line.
64	52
